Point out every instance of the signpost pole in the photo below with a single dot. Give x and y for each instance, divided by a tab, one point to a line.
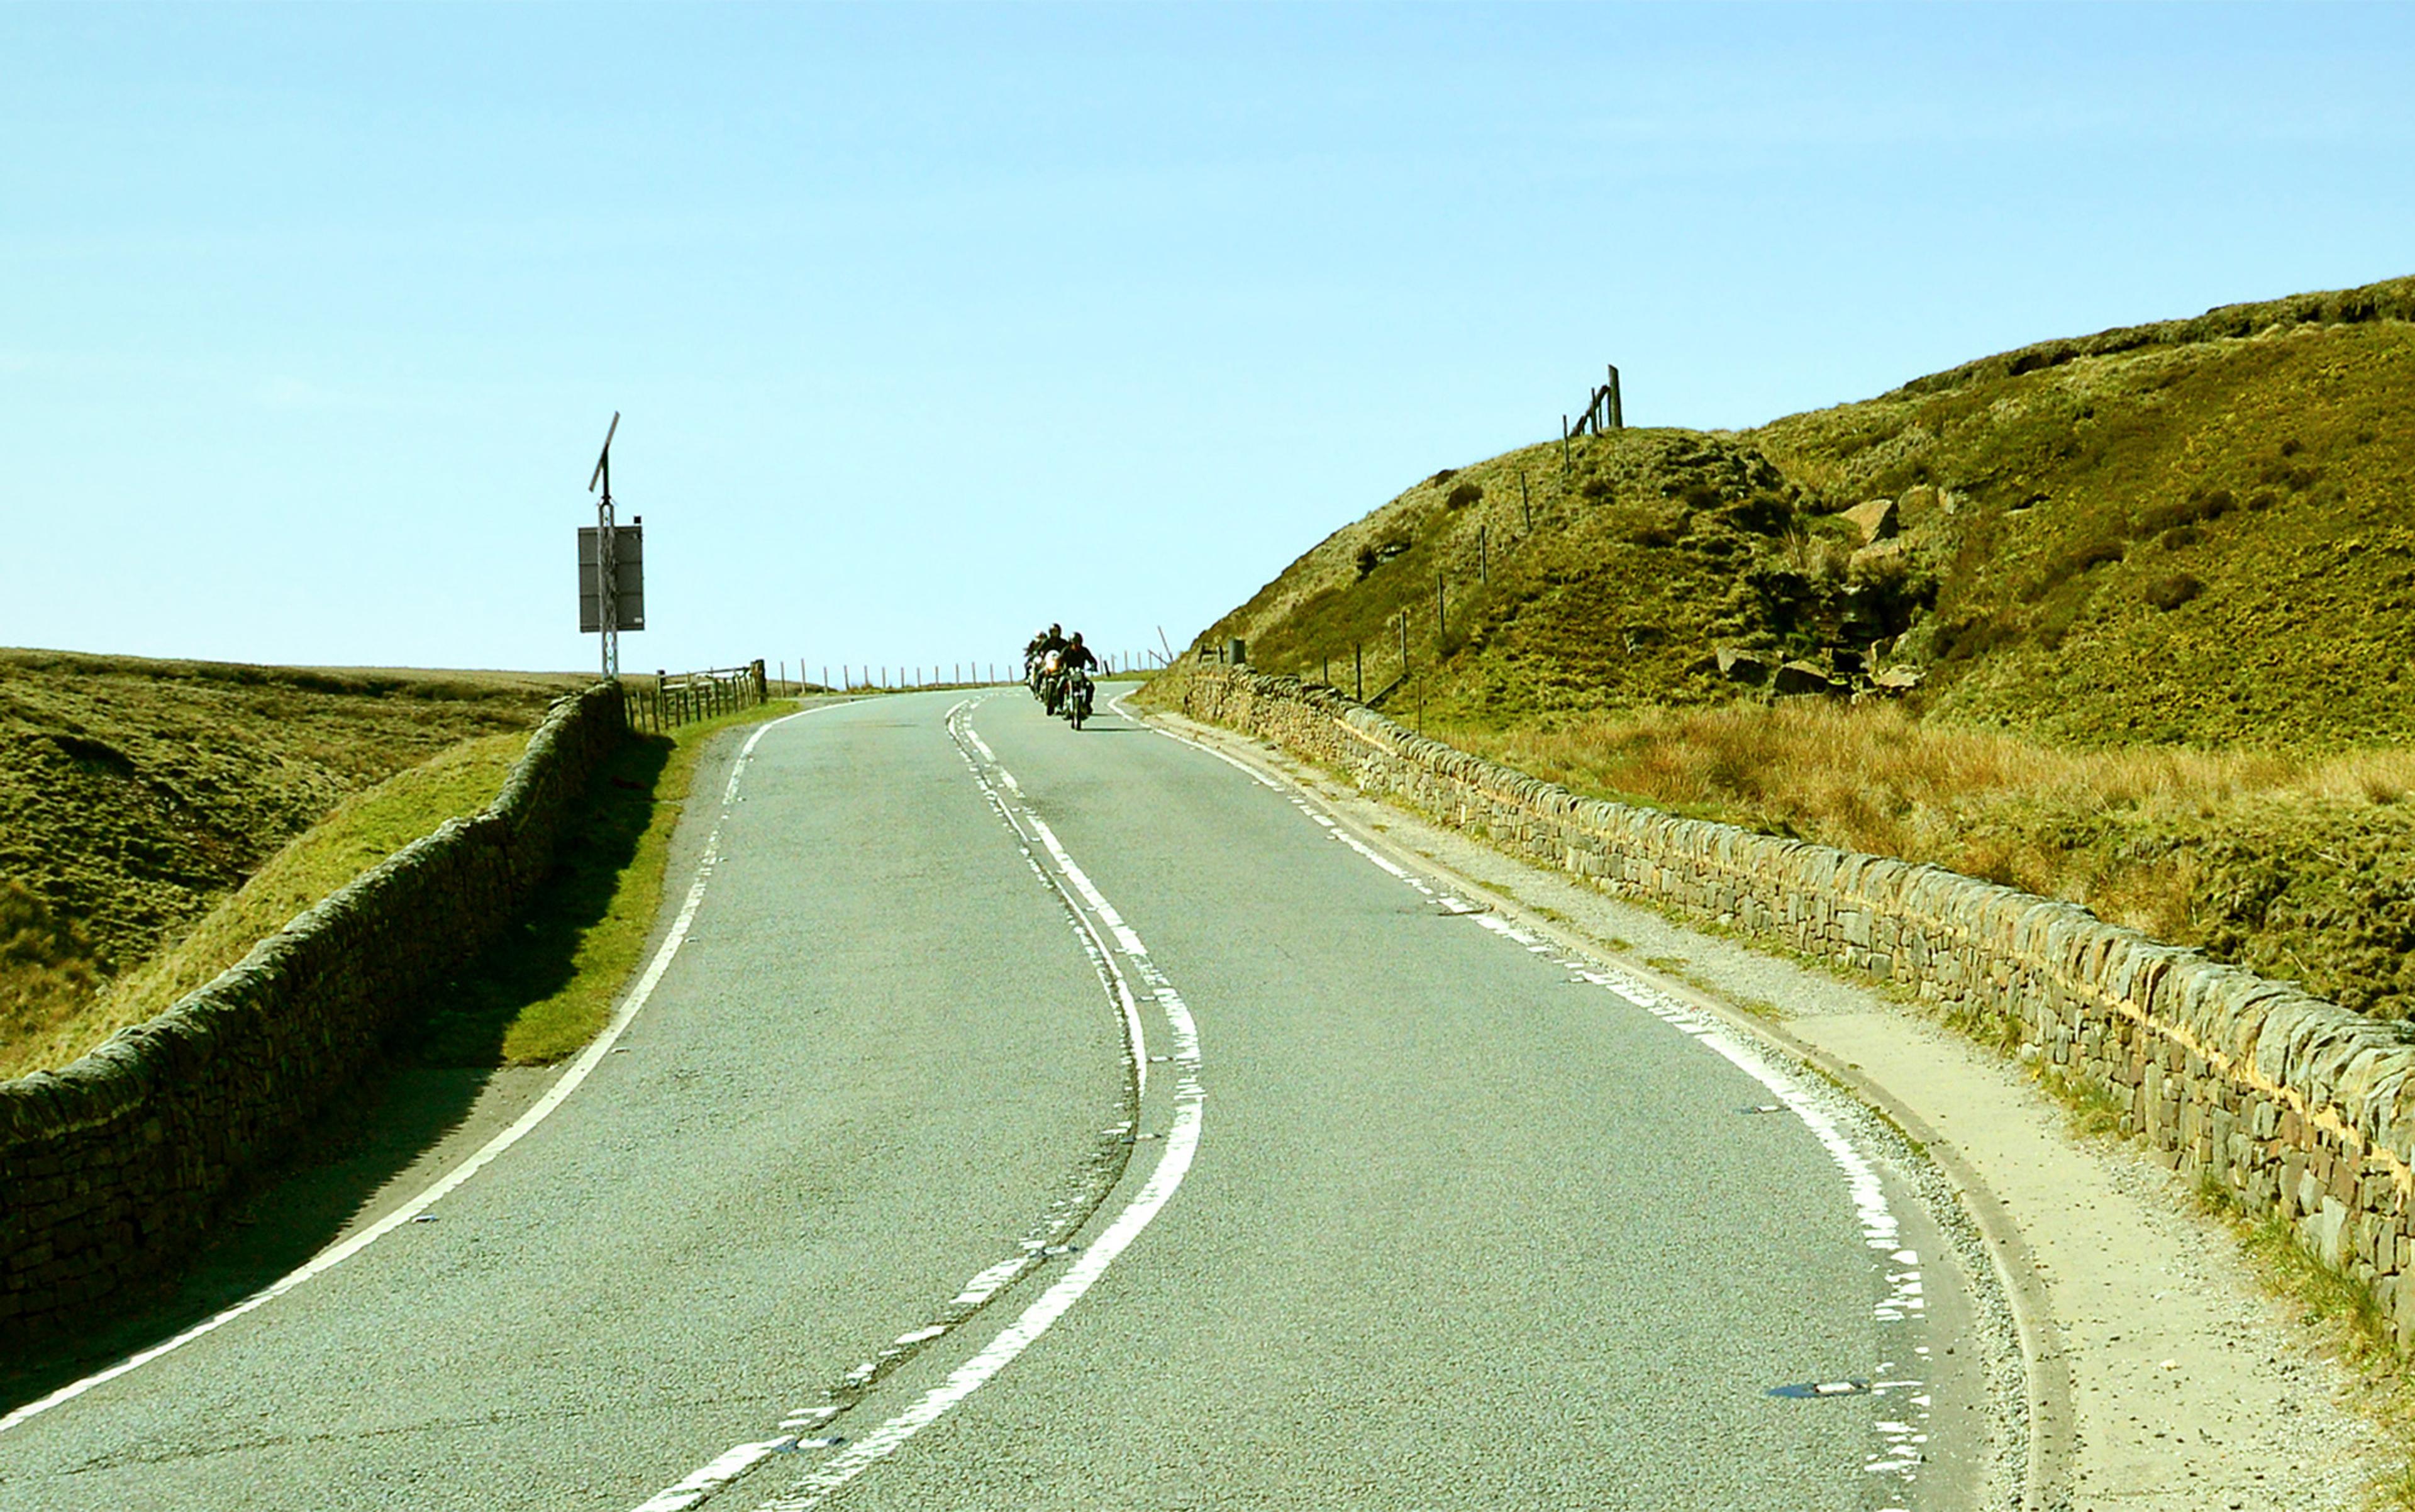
607	575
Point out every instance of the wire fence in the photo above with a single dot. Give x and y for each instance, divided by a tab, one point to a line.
851	677
667	700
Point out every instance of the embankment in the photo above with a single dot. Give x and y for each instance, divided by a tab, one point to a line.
111	1168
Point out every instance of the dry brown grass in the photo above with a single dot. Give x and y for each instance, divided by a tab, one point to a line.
2116	830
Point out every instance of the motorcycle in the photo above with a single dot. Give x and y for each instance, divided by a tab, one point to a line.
1077	695
1051	684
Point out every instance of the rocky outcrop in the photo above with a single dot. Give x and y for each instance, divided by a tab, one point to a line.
1876	520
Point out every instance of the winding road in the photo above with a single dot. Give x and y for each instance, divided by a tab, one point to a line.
1019	1118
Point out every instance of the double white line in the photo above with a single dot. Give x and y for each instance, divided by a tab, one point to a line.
1124	958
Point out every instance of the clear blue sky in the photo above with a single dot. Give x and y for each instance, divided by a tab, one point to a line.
929	323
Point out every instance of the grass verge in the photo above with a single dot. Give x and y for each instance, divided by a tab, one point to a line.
548	987
361	831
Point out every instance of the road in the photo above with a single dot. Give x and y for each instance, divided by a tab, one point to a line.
1034	1119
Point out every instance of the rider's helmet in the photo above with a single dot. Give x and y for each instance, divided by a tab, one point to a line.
1055	629
1077	637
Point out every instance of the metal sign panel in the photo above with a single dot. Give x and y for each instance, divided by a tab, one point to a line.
628	567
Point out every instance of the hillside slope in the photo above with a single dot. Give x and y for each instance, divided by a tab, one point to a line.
134	794
2197	531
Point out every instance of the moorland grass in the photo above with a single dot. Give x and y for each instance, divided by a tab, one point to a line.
2158	586
2298	865
534	997
49	1030
2190	533
137	794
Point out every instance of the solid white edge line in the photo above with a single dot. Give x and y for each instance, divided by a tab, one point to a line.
1865	1190
329	1258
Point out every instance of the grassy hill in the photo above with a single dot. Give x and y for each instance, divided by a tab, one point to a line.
2144	601
135	795
2196	531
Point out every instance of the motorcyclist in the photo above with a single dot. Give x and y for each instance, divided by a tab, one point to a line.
1047	659
1075	660
1031	655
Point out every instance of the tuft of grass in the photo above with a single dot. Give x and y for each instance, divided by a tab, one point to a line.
361	831
2092	1112
547	988
1762	1007
47	978
2350	1324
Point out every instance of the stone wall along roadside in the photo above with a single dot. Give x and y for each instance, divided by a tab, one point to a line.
111	1168
2294	1106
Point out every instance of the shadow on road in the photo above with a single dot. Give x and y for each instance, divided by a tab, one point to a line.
440	1078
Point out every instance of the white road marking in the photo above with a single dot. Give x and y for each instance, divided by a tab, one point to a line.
693	1489
1880	1229
336	1254
1180	1145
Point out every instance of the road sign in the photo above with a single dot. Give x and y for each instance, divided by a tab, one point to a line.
629	574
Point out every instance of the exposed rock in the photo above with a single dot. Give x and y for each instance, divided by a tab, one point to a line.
1878	552
1803	676
1876	520
1743	667
1896	679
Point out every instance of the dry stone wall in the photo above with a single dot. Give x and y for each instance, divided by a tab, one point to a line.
2294	1106
111	1168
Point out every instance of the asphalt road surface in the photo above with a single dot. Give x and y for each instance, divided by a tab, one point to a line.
1041	1119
